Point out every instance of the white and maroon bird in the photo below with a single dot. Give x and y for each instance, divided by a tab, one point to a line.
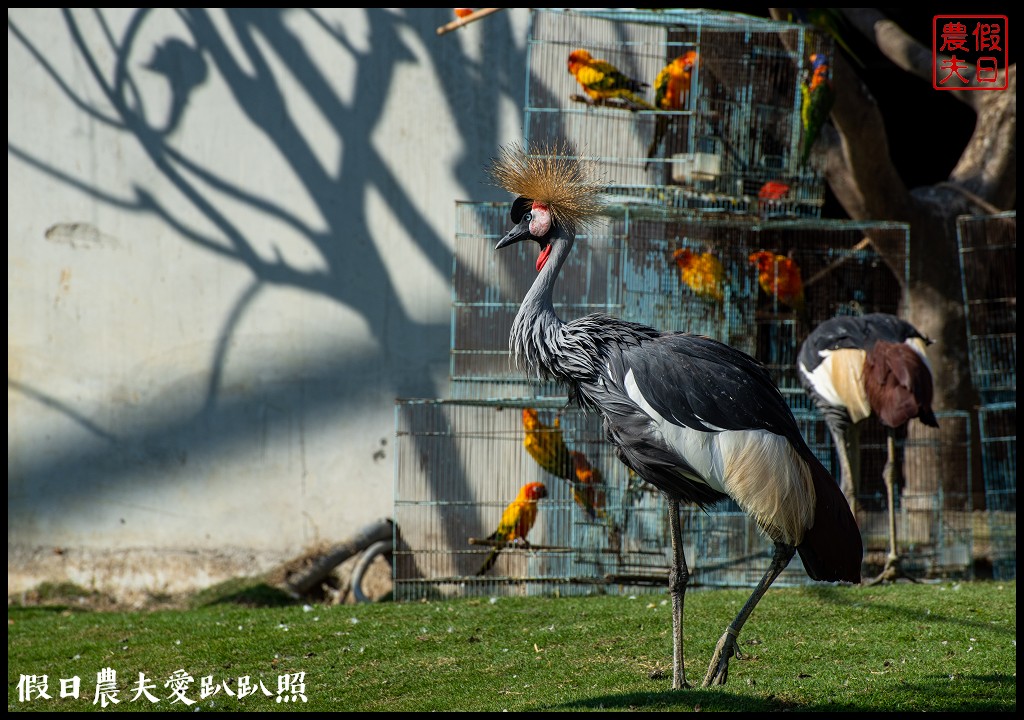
854	367
699	420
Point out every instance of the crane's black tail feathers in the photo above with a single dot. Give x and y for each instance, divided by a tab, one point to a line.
832	549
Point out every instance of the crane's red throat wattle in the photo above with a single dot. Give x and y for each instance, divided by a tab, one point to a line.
540	225
543	257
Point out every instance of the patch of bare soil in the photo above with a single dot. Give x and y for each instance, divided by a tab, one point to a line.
273	588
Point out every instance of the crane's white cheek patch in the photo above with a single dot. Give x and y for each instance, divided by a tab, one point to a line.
540	223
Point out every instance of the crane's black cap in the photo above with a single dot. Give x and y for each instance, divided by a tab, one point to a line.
520	206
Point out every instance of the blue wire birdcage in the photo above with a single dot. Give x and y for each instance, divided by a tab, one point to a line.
988	260
737	133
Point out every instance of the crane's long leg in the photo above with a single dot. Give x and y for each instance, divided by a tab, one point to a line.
678	577
892	570
718	670
846	482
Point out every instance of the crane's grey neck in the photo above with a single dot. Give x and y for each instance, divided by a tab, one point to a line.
535	339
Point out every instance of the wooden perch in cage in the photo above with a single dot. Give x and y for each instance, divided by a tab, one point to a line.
658	579
605	102
821	274
513	544
462	21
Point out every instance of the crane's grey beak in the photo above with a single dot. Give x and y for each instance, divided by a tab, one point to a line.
519	232
518	212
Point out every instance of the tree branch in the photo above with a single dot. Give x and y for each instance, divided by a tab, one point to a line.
988	165
904	51
865	147
869	185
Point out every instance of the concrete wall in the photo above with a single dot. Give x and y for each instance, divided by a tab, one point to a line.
229	251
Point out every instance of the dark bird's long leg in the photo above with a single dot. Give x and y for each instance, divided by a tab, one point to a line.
892	570
678	577
718	670
843	439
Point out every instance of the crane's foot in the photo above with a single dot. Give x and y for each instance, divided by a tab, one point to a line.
718	671
891	572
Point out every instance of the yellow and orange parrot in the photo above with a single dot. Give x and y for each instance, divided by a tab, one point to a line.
672	92
516	521
463	12
546	445
702	273
602	81
779	277
587	486
672	86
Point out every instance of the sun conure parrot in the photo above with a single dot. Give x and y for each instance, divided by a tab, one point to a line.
779	276
817	100
546	445
602	81
702	273
516	521
672	92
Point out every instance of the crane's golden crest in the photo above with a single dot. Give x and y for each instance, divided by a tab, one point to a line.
555	176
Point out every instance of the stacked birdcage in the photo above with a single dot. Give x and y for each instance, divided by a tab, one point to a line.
988	261
733	139
459	463
687	217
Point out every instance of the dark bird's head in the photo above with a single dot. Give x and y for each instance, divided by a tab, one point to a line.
684	257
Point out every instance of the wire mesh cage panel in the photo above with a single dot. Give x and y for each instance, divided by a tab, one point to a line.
998	427
934	517
935	528
681	274
988	261
459	464
735	132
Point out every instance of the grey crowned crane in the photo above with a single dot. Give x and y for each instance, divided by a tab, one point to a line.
854	367
699	420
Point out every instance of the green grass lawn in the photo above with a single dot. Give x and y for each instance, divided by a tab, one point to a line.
903	647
